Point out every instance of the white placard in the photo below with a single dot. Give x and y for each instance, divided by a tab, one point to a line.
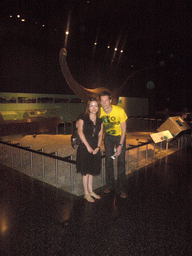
161	136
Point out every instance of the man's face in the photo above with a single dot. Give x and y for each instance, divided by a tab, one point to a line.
105	102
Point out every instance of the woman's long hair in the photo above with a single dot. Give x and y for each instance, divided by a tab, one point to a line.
87	112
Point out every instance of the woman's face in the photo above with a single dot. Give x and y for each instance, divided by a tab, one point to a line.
93	107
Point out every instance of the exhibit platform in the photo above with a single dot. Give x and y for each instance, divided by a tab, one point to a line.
62	174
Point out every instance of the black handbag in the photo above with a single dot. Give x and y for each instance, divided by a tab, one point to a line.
75	139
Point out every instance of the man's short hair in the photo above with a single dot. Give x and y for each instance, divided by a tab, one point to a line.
106	93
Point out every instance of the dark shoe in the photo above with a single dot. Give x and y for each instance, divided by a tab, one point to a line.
107	190
123	195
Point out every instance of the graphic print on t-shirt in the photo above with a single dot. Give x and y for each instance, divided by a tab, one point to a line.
109	124
112	121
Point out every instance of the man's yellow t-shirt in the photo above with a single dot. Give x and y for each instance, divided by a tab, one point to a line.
112	121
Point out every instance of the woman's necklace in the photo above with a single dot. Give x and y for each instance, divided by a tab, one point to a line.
93	119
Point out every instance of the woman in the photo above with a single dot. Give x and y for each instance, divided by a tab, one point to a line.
90	130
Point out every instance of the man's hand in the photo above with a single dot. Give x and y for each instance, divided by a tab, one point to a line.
118	152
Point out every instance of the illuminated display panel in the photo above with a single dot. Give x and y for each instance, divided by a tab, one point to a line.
26	100
7	100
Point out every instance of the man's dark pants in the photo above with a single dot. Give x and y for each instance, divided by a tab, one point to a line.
110	143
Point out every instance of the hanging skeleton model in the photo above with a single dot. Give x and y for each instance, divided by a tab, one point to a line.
82	92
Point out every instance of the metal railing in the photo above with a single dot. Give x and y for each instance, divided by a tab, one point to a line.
53	155
69	159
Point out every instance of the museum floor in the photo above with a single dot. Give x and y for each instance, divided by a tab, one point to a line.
155	219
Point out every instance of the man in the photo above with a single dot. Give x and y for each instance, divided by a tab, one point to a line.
114	121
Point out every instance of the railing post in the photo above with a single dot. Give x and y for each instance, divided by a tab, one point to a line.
21	157
43	163
182	141
102	169
11	156
128	158
56	168
146	154
154	152
12	152
167	145
178	143
71	175
137	153
186	140
4	153
160	146
31	161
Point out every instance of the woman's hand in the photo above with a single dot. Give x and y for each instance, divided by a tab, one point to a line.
77	124
89	149
95	151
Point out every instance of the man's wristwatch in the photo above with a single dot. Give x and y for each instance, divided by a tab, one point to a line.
121	145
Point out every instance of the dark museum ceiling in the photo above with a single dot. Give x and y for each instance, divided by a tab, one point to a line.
134	26
145	33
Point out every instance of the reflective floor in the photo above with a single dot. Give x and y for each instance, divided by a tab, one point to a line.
155	219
